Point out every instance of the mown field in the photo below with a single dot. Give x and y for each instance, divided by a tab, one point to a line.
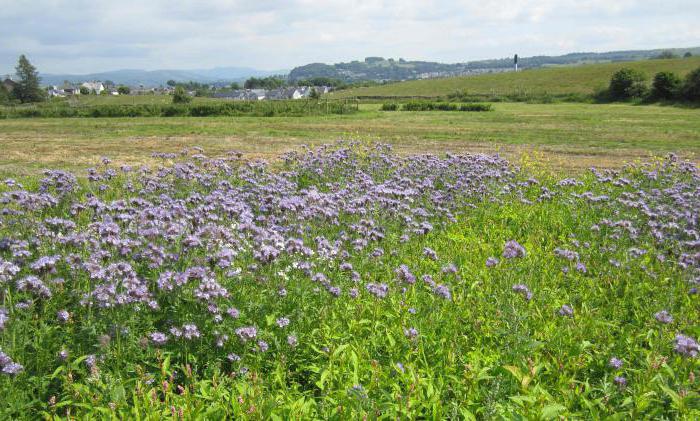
571	136
349	282
582	80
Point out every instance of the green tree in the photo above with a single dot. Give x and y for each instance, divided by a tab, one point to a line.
235	86
688	54
123	90
171	83
627	83
27	89
84	91
4	95
314	94
664	55
691	87
665	85
180	96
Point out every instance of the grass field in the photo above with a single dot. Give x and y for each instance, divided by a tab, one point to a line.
583	80
571	136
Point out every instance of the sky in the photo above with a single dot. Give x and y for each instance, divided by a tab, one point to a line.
85	36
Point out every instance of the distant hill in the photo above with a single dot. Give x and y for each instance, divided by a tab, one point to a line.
582	79
383	69
151	78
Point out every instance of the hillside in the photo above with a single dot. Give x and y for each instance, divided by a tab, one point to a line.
388	69
583	79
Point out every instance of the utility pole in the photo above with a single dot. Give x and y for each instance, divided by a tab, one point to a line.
515	60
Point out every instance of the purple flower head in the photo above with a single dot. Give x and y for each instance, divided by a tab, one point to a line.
158	338
190	331
664	317
63	316
405	275
283	322
443	291
378	290
566	311
523	290
491	262
247	333
686	346
512	250
292	341
411	333
263	346
620	381
615	363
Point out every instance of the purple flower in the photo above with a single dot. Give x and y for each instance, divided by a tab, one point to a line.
615	363
158	338
292	340
620	381
411	333
378	290
247	333
523	290
686	346
263	346
190	331
664	317
443	291
404	274
283	322
233	312
512	250
63	316
12	369
233	357
566	311
491	262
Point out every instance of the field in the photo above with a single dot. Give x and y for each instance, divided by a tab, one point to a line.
570	136
582	80
349	283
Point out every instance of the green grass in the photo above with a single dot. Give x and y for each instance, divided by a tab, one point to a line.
571	136
581	80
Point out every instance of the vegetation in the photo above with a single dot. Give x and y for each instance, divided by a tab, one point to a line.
182	109
271	82
84	91
443	106
626	84
123	90
352	283
180	96
666	86
572	136
28	88
691	87
579	83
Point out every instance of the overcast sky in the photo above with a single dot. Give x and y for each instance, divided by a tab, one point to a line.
83	36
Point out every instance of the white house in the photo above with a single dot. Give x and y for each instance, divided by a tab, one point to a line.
95	87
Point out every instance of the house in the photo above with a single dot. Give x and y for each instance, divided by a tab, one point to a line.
95	87
9	84
56	92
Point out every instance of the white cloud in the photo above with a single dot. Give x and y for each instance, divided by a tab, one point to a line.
85	36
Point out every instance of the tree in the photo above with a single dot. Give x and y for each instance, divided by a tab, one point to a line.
180	96
171	83
664	55
688	54
691	87
665	85
123	90
314	94
627	83
235	86
84	91
4	95
27	89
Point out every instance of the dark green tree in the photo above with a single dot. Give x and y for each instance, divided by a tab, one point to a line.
665	86
124	90
180	96
664	55
691	86
171	83
84	91
235	86
27	89
4	95
627	83
687	54
314	94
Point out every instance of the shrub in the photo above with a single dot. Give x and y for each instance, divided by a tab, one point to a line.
665	85
84	91
180	96
475	107
124	90
691	87
627	83
390	106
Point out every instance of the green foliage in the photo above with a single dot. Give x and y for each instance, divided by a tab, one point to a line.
84	91
180	96
235	86
186	109
171	83
627	83
666	55
27	89
124	90
390	106
4	95
691	86
665	86
688	54
443	106
314	94
270	82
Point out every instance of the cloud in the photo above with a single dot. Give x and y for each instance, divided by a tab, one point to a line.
84	36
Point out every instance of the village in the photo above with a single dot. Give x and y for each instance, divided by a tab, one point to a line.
110	89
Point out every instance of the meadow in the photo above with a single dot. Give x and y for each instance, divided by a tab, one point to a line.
568	82
563	136
350	282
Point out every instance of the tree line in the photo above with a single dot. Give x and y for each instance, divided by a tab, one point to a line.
629	84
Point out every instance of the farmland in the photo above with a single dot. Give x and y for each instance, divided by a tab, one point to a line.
571	136
581	81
